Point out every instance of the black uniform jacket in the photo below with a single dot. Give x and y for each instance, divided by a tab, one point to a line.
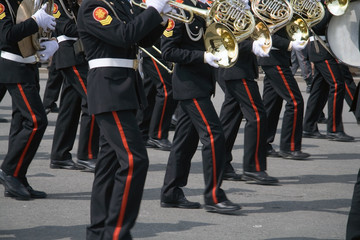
66	25
246	65
10	35
320	30
104	36
192	78
281	56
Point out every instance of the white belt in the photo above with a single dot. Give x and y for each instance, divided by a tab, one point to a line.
17	58
322	38
63	38
274	48
113	62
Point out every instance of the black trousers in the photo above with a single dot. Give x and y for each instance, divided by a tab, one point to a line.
53	86
155	119
350	86
2	91
197	120
279	85
119	177
27	127
73	103
353	224
328	86
242	98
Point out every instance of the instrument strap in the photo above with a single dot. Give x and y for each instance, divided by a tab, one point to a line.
12	13
71	14
112	9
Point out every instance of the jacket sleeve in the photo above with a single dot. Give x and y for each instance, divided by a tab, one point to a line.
64	25
110	28
172	51
13	33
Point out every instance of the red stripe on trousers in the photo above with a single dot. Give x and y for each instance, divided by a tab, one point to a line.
90	155
212	150
349	92
128	178
257	164
18	166
165	99
292	144
335	94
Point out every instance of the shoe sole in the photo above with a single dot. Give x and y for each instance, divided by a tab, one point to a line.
286	156
55	166
156	146
251	179
85	168
172	205
210	208
340	140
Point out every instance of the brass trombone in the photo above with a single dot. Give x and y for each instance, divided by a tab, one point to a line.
169	70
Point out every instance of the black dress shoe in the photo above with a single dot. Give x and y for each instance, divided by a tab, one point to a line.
162	144
232	176
53	108
272	153
339	136
64	164
260	178
315	134
33	193
88	165
16	188
322	120
181	203
223	207
296	155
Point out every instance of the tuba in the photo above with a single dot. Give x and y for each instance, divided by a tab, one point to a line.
227	24
31	44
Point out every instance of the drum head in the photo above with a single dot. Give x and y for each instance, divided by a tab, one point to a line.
343	35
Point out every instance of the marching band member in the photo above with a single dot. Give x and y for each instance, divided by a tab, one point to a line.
155	119
242	98
70	61
279	85
193	85
327	87
110	32
29	120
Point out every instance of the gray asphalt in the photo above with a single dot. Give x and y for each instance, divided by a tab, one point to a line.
311	202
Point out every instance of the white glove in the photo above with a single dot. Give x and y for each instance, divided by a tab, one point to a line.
257	48
167	9
298	45
159	5
50	48
44	20
246	4
211	59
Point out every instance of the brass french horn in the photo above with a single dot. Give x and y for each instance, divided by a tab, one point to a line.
337	7
271	15
227	24
31	44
